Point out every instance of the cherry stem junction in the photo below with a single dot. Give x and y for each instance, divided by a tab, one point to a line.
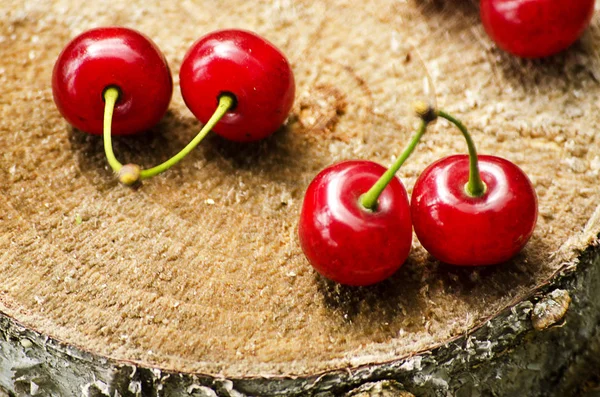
130	174
475	187
369	199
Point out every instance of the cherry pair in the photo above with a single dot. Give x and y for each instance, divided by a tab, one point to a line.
116	80
535	28
356	221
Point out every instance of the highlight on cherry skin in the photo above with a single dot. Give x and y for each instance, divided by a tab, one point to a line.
535	28
473	210
355	225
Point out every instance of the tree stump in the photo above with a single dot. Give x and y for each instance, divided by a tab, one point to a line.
195	285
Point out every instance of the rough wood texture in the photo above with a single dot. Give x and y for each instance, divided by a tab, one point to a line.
199	270
505	356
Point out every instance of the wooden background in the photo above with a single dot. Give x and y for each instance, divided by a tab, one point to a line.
200	270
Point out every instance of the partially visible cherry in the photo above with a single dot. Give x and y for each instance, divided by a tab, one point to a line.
246	67
473	210
112	57
535	28
355	225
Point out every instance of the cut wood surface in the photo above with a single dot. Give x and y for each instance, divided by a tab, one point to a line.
199	270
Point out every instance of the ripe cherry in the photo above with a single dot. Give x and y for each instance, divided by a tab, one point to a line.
535	28
246	67
346	242
234	76
112	57
473	210
355	225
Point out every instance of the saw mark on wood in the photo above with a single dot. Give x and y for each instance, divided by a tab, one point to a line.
321	107
320	110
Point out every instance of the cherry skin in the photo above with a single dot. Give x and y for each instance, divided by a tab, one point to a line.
249	68
462	230
112	56
535	28
344	241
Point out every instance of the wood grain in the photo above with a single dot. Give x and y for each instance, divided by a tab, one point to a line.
199	270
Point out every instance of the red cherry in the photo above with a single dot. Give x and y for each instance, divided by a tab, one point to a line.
473	210
249	68
535	28
112	56
343	240
459	229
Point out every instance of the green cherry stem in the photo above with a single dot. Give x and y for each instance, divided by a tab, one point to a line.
369	199
111	95
475	187
131	173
